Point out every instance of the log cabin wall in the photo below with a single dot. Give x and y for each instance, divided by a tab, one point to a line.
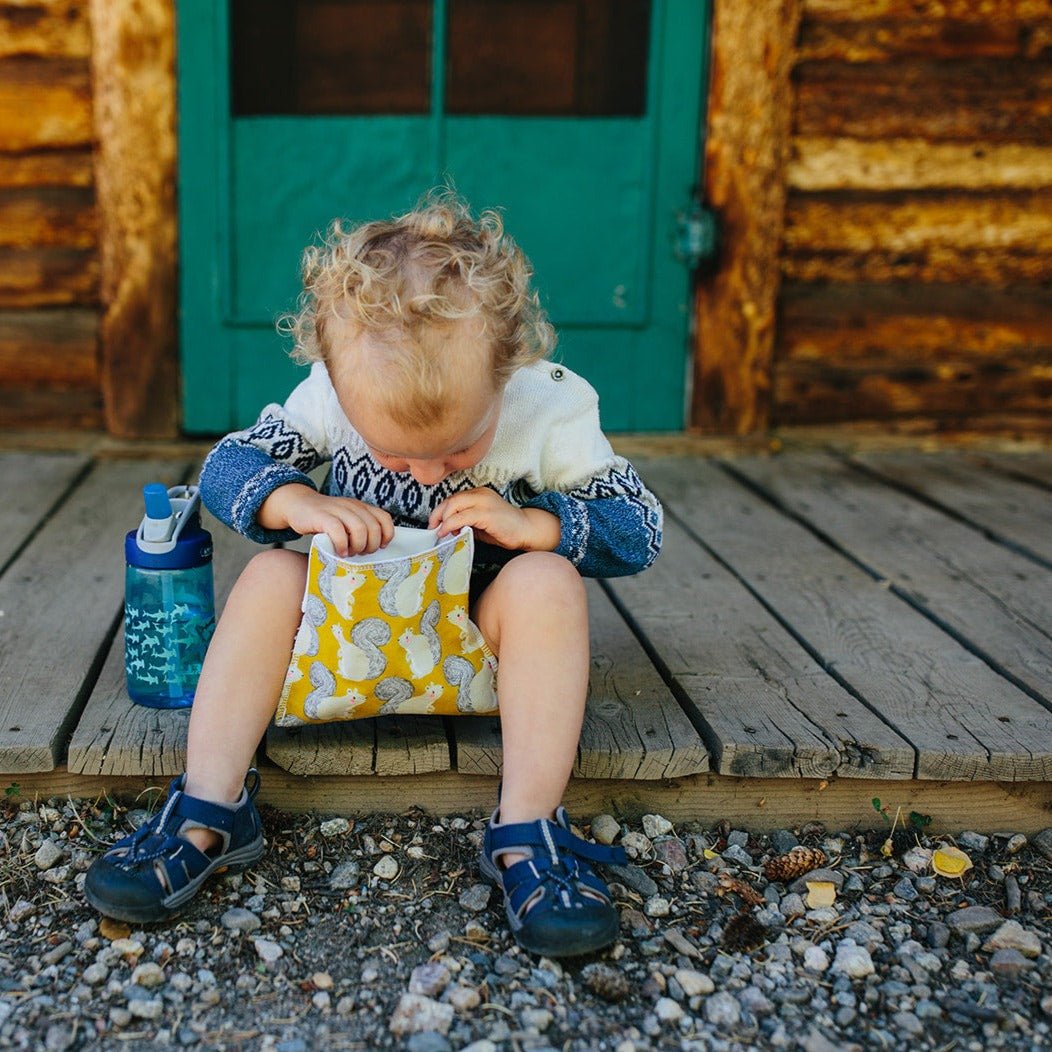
49	258
916	266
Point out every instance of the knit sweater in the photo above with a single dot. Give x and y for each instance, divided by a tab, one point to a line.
548	452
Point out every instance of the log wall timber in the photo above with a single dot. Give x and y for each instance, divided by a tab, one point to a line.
746	149
49	274
133	63
915	274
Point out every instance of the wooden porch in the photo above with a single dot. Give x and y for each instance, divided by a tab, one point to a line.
822	627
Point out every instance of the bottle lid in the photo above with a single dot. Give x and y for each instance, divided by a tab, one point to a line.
170	535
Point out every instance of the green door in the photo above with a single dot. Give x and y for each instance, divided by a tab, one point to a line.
580	119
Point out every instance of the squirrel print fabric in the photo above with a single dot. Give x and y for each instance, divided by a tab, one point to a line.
389	635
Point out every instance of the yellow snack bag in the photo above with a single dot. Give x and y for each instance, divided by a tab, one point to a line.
389	633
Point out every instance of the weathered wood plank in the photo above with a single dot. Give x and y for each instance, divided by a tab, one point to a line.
411	745
935	236
116	736
1011	512
347	747
756	696
50	168
51	29
633	726
997	601
48	346
45	277
958	391
31	483
819	163
966	11
904	324
746	149
963	720
46	103
56	407
972	100
133	67
1033	467
760	804
48	216
911	36
63	597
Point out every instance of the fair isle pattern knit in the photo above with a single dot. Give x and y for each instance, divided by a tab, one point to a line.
548	453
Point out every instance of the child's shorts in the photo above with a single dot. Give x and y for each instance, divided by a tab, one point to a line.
389	633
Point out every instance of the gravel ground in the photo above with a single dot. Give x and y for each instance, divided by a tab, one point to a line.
376	933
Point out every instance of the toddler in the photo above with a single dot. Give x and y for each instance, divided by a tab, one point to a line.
430	396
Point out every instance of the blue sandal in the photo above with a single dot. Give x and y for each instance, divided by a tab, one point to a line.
152	873
556	905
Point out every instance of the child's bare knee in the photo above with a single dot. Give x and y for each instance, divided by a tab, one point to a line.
275	569
544	575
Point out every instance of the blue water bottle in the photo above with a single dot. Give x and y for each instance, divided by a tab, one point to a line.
169	601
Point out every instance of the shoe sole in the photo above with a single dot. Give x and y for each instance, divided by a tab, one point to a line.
233	862
568	947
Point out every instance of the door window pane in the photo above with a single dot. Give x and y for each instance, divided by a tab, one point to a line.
330	56
548	57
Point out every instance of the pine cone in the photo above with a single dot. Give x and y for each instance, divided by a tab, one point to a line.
739	887
796	863
744	933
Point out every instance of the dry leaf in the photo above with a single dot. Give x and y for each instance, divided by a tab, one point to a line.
820	893
950	861
887	849
709	853
113	929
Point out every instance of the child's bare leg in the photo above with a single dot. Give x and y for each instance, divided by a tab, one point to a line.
241	678
535	618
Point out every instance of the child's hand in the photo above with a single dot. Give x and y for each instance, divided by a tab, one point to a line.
495	521
352	526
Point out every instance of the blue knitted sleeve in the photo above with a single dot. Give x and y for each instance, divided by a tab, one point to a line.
611	525
247	466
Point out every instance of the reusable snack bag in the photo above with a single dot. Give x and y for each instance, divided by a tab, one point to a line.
389	633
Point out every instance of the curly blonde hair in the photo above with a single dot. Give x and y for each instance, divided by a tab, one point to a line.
395	280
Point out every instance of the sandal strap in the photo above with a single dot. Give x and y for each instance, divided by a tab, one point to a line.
544	836
561	881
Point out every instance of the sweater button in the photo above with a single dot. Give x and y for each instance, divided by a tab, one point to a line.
558	374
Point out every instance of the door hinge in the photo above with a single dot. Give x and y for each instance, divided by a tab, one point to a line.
696	239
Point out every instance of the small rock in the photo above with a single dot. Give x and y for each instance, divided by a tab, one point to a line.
21	909
1011	935
694	983
973	841
321	1000
427	1041
976	919
816	959
538	1019
476	898
1009	963
387	868
238	919
655	825
853	960
267	950
738	837
672	852
737	854
148	974
917	859
637	845
633	877
322	980
783	841
95	974
833	876
1043	843
905	890
475	932
439	942
345	875
47	855
792	905
334	827
416	1013
1015	844
429	979
53	956
605	829
667	1010
908	1023
463	998
146	1008
721	1009
657	907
